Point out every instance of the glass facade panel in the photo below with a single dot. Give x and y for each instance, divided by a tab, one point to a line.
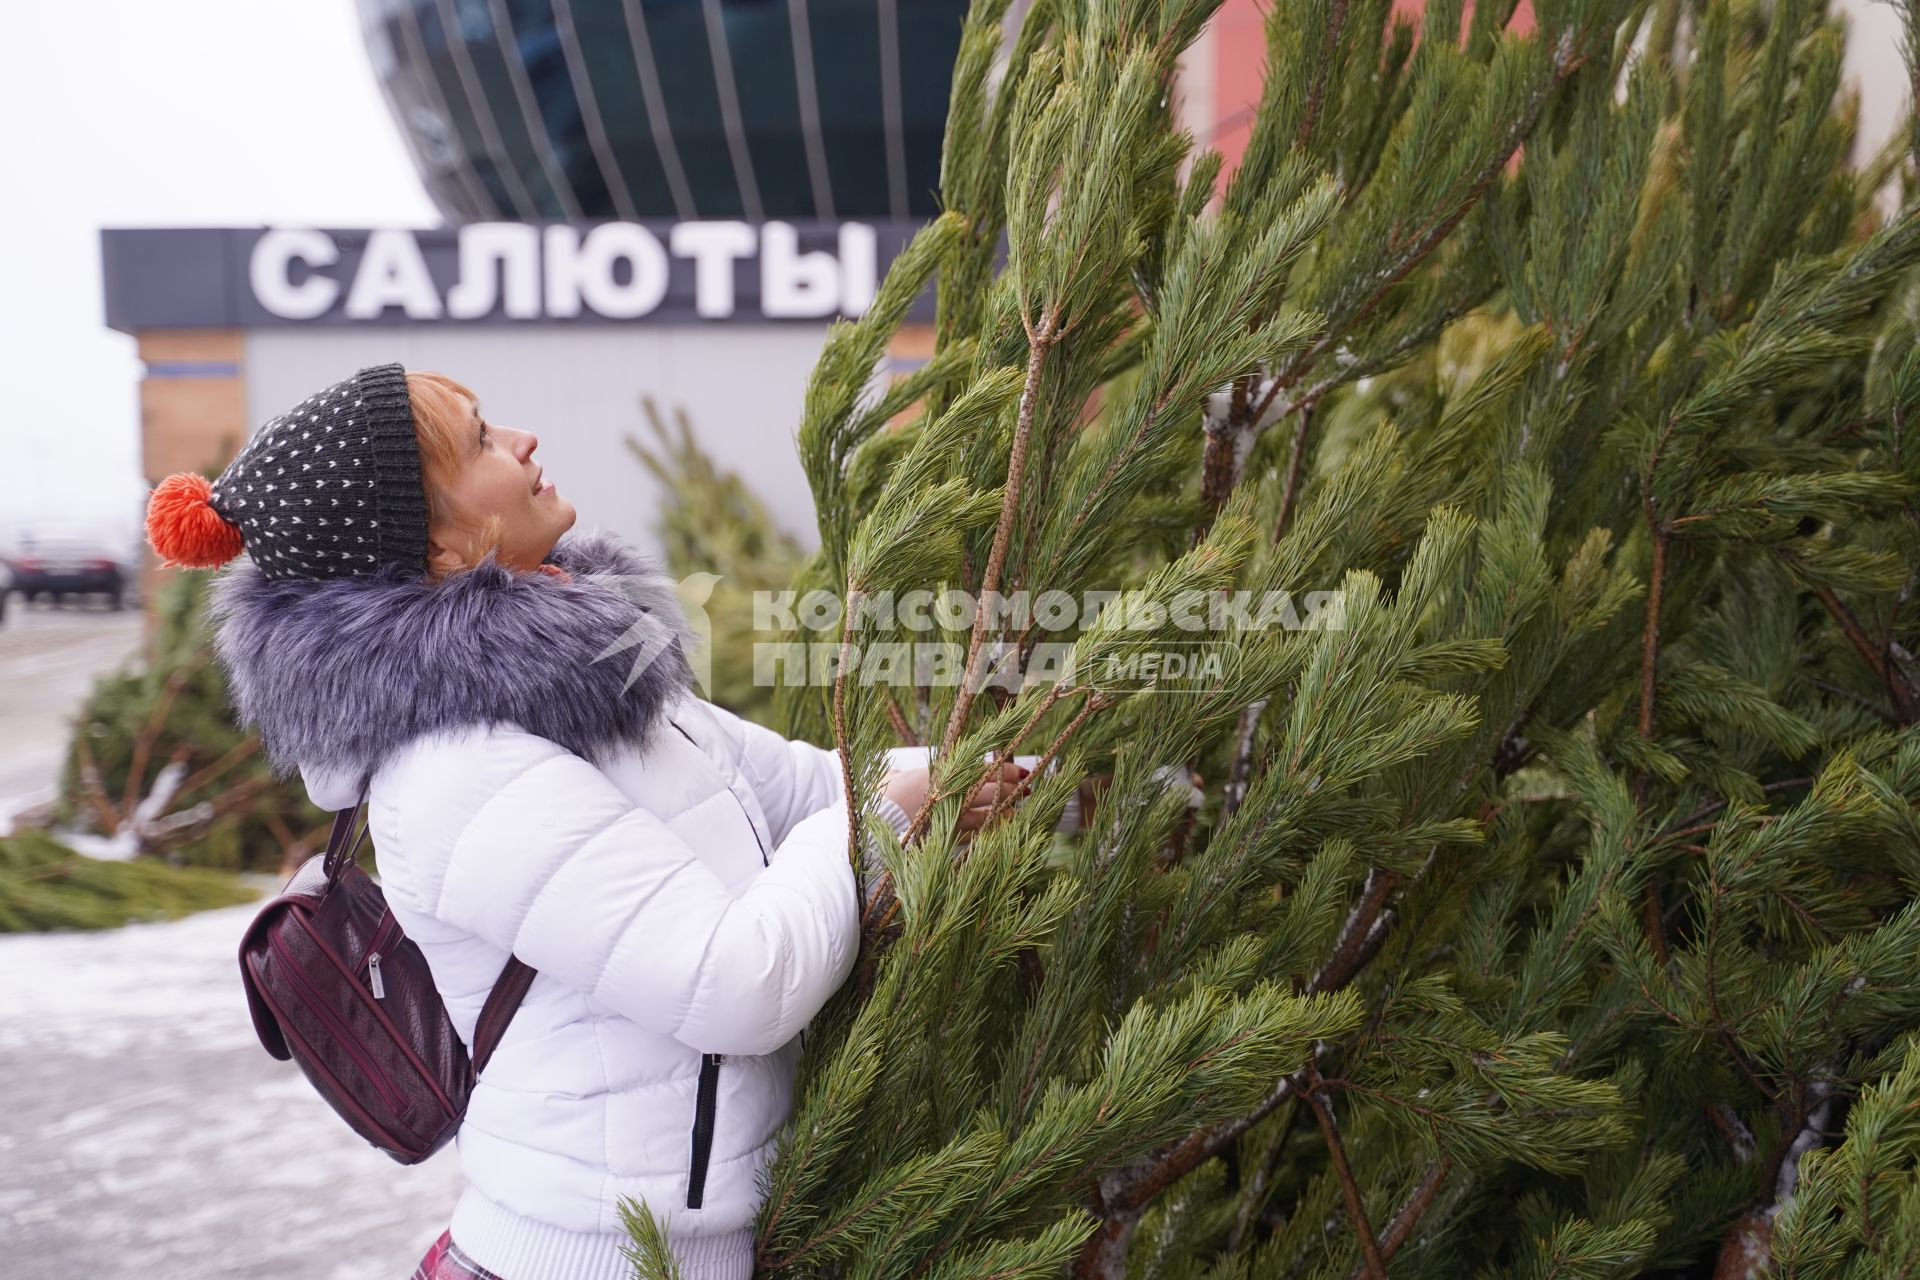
929	39
494	169
853	123
501	138
760	44
437	152
606	45
683	61
472	25
537	37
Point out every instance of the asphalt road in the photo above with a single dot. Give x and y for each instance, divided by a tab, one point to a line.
48	659
143	1131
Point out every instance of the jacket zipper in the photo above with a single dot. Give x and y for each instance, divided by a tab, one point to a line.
764	861
375	1076
710	1071
703	1117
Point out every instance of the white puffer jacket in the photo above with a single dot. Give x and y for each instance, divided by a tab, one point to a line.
542	781
689	908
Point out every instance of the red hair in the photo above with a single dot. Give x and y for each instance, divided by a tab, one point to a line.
443	412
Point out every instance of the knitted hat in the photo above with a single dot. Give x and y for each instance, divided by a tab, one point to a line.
330	489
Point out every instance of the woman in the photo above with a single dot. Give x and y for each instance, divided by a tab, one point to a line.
415	623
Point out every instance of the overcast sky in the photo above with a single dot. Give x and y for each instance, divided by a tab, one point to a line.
137	113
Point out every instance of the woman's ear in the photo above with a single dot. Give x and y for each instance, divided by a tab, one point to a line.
451	548
442	557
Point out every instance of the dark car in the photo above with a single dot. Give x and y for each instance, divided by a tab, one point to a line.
69	567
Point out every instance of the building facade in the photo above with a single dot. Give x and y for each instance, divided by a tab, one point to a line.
560	328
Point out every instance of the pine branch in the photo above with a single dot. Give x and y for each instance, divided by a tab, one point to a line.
1041	337
1095	701
241	750
1350	952
842	740
1241	766
1654	319
1376	1267
1126	1194
1329	48
1254	1195
1438	222
902	727
1898	691
1418	1201
92	790
144	741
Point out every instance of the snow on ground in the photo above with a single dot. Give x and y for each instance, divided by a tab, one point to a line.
145	1131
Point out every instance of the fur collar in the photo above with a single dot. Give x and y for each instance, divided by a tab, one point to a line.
338	673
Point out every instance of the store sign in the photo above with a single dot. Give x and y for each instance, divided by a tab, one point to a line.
497	273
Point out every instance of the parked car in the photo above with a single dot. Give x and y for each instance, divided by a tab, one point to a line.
69	567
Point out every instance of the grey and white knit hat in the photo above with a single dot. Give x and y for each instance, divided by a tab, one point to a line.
329	489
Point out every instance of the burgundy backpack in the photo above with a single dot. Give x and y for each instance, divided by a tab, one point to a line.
335	985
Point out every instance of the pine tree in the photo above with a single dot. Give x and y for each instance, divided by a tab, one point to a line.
1552	911
45	885
717	534
157	766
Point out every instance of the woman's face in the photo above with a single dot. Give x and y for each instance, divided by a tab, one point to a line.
498	484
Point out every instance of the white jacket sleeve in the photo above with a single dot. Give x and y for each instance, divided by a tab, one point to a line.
512	838
794	778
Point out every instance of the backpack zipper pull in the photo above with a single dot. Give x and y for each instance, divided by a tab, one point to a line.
373	976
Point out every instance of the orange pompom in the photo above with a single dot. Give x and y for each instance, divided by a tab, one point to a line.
185	529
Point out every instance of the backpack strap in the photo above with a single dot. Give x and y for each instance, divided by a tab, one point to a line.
341	849
509	989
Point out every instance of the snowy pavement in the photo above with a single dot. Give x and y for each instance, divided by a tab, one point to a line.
145	1132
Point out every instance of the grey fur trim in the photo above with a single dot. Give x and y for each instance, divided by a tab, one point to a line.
339	673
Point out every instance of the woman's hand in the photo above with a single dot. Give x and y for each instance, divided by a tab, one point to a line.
908	789
1010	780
